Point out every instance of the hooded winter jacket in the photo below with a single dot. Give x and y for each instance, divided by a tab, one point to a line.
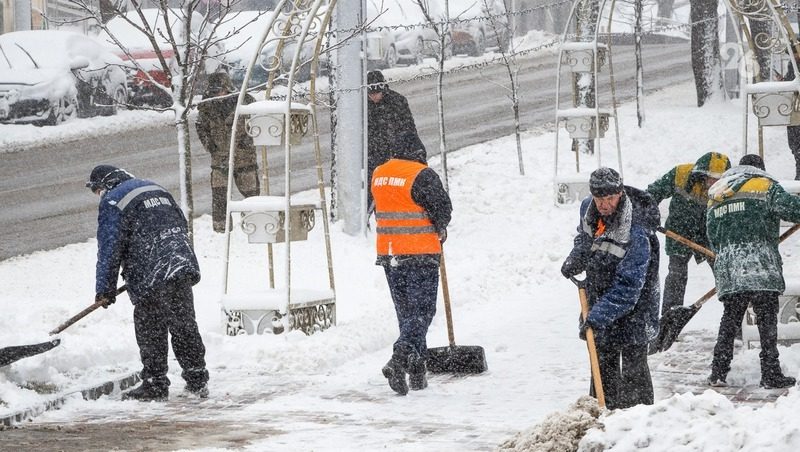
142	229
685	184
743	223
621	264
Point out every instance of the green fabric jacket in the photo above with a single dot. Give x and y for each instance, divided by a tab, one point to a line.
743	225
685	184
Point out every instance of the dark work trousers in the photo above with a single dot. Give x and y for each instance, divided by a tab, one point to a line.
413	286
675	282
765	306
793	136
170	310
625	375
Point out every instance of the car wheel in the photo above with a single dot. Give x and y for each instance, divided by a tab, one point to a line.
479	46
391	57
65	109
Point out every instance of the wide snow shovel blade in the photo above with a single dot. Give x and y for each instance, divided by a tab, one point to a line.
594	361
674	320
459	359
10	354
83	313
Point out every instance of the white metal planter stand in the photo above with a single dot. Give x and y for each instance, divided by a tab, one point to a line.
772	102
584	57
275	125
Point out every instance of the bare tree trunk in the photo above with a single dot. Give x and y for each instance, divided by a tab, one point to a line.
705	48
584	82
639	67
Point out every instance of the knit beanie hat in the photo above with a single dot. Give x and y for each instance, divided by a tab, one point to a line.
605	181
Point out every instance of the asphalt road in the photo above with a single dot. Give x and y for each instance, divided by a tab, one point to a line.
45	205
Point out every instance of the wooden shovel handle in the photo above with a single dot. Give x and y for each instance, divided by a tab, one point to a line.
448	312
83	313
687	242
590	344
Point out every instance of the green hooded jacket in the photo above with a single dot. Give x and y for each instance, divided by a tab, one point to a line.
685	184
743	223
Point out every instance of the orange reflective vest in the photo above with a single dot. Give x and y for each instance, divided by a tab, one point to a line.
403	226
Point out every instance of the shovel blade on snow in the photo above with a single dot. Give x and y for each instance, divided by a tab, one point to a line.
672	323
10	354
458	359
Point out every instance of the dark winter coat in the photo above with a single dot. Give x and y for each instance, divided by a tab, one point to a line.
386	120
142	230
744	227
685	184
621	265
214	123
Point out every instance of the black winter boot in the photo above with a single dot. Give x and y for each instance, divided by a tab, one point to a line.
395	371
417	372
151	390
776	381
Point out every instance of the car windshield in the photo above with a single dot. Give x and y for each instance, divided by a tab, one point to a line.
14	56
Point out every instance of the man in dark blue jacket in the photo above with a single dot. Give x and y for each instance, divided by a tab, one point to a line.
617	247
142	230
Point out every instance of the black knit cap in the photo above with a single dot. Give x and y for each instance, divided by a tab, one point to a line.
605	181
408	146
376	81
106	176
753	160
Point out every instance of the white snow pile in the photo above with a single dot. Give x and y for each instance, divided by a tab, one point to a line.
560	431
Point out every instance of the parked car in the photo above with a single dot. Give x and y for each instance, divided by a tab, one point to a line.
140	49
50	76
380	46
482	24
416	40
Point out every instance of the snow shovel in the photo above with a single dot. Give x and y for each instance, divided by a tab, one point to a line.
10	354
676	319
83	313
593	360
459	359
687	242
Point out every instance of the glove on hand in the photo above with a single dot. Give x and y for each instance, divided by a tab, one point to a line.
442	235
571	267
106	298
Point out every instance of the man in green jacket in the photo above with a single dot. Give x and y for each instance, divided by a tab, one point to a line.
687	184
745	209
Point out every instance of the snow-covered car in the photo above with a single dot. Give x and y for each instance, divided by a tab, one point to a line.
414	38
140	49
480	24
49	76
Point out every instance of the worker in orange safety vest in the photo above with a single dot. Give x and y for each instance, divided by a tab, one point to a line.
412	210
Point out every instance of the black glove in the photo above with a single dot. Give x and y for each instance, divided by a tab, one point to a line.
106	298
442	236
571	267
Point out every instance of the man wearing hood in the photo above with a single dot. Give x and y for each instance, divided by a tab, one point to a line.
745	209
142	230
412	210
214	123
617	247
687	184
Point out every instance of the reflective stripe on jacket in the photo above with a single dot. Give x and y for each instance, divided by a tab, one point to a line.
403	226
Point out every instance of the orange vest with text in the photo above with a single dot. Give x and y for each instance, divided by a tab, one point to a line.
403	226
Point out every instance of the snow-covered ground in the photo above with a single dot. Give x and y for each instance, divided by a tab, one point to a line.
504	250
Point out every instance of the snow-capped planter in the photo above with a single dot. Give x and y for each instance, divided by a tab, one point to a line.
264	121
261	312
788	320
262	218
775	103
581	122
571	188
579	56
